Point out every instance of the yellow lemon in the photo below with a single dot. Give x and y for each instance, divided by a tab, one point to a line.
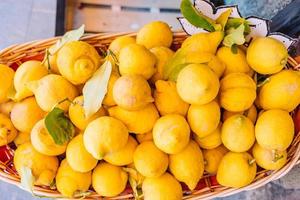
7	131
132	92
197	84
138	122
188	166
6	77
210	141
135	59
22	138
78	157
203	42
267	62
149	160
171	133
58	89
109	99
274	130
155	34
166	90
163	55
237	92
212	61
5	108
50	62
105	135
43	167
209	116
234	62
123	156
269	159
25	114
109	180
77	116
212	158
251	113
238	133
281	91
144	137
236	170
162	188
119	43
43	142
77	61
28	71
69	181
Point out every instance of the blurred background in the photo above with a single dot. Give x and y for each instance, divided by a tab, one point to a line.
27	20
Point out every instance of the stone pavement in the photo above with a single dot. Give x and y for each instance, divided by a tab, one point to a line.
25	20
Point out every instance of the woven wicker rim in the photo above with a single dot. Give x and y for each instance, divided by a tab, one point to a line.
16	54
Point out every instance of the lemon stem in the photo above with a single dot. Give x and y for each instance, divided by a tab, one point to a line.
251	161
276	156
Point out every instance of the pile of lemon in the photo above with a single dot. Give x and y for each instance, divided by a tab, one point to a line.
222	112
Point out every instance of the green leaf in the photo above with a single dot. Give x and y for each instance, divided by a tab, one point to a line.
235	36
95	89
236	22
46	59
59	126
223	18
69	36
195	17
27	179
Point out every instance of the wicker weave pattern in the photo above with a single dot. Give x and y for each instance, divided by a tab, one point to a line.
207	188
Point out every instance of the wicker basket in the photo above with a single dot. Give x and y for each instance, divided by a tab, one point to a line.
207	188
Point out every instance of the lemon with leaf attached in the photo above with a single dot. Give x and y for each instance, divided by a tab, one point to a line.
77	61
77	116
59	92
43	142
